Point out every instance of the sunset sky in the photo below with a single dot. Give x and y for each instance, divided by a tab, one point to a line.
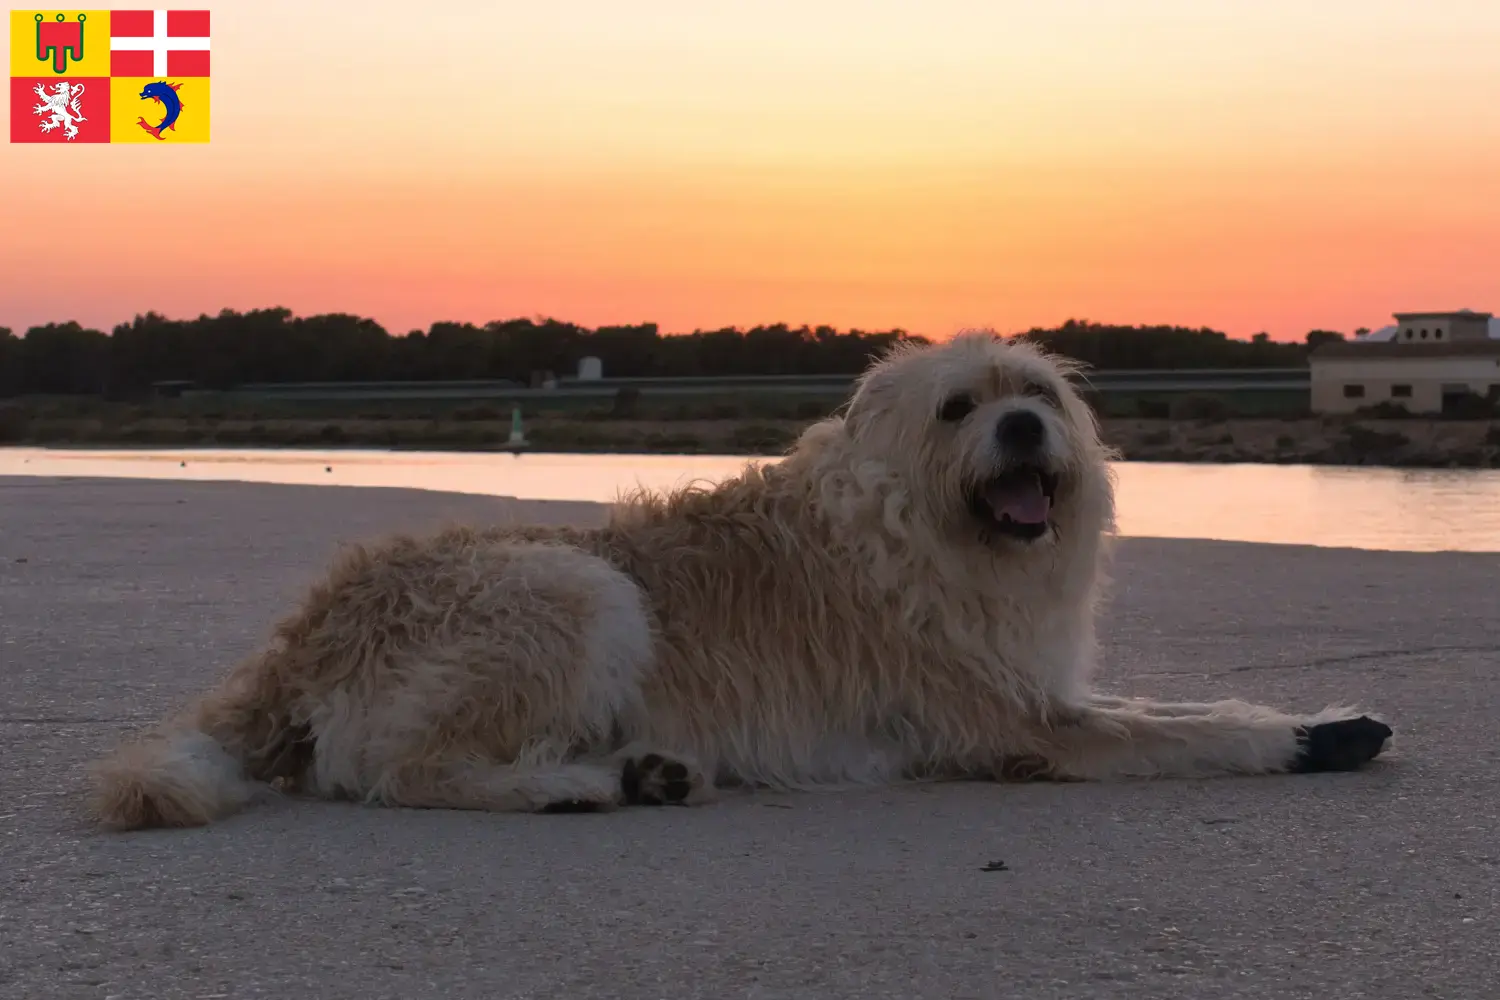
1274	165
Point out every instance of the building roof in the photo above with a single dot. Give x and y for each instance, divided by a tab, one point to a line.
1396	350
1452	314
1389	332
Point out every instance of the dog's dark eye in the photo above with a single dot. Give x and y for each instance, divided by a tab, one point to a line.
956	408
1042	391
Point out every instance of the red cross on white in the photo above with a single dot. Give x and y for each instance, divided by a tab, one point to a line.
158	43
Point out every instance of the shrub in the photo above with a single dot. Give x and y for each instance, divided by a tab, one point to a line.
14	424
1366	441
1153	409
627	398
760	439
1196	407
685	444
1468	406
1384	410
722	411
575	437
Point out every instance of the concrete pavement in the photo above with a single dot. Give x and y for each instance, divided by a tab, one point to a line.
119	599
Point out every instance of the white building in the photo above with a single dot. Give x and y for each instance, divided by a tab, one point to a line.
1422	363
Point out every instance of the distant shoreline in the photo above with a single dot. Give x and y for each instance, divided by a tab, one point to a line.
1414	443
1400	443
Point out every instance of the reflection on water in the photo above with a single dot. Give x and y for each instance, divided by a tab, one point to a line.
1397	509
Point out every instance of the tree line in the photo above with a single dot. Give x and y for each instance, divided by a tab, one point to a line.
272	345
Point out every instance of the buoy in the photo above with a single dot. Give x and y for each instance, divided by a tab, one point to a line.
517	432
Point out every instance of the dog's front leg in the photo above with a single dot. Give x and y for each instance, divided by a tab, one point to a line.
1118	738
1163	708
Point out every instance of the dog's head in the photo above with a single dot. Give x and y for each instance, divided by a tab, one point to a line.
987	437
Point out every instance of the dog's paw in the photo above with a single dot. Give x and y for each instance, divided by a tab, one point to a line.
654	780
576	806
1339	746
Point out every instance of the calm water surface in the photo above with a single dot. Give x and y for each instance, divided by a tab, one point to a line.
1392	509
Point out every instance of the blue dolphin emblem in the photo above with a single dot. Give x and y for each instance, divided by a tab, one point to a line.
164	94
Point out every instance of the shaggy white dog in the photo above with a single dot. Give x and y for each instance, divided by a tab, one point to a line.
910	593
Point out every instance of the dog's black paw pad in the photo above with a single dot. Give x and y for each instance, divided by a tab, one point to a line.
1339	746
573	806
655	781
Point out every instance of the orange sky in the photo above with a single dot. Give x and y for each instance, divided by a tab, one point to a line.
1273	166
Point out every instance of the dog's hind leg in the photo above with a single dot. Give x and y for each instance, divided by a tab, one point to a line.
1230	737
544	781
531	784
507	689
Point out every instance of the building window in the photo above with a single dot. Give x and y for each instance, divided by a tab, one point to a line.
1424	333
1354	392
1400	392
1437	334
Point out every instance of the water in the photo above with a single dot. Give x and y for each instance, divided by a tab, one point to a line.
1383	509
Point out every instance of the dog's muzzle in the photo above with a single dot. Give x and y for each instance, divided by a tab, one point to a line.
1017	501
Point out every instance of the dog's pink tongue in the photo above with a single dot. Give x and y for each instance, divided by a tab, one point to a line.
1019	498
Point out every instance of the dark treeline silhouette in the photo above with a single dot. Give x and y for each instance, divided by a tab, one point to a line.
272	345
1136	347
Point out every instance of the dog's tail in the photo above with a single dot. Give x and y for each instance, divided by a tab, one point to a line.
209	761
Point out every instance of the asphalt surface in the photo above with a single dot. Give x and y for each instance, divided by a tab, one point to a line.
119	599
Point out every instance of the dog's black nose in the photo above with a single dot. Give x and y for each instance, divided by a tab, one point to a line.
1021	431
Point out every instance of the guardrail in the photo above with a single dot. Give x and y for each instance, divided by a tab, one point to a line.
1119	380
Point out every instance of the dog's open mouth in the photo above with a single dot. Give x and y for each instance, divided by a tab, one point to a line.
1017	503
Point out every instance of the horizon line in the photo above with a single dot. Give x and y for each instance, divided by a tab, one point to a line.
542	319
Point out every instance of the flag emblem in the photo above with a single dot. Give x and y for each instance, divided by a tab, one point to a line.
56	40
80	76
61	104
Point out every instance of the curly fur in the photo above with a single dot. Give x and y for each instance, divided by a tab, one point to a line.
838	617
